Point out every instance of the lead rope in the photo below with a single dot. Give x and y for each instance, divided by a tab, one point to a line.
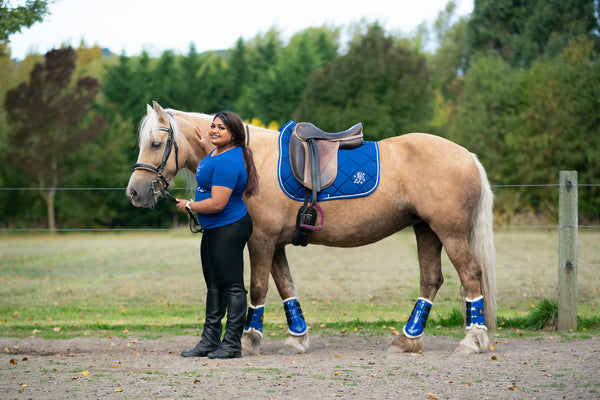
194	224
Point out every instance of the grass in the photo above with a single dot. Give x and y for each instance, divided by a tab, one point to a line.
150	284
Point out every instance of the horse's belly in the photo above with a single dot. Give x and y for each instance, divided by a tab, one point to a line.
356	226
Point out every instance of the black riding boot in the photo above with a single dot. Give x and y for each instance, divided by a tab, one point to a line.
211	334
231	346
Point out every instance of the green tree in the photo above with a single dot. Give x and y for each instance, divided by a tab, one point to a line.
451	60
487	111
237	72
188	82
561	127
306	52
257	99
378	82
13	19
521	31
49	121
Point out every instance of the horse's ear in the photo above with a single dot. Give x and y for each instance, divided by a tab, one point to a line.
162	115
148	109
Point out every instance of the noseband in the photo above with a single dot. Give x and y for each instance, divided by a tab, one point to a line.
159	171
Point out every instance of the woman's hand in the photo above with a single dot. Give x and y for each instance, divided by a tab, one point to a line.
202	138
181	203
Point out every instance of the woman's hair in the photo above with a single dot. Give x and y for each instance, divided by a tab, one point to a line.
236	126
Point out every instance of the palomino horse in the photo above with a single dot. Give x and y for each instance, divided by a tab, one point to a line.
427	182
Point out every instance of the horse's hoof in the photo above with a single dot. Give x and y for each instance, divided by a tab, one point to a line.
295	345
465	350
476	341
251	343
402	344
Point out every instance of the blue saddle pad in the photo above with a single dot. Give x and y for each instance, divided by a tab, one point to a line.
358	171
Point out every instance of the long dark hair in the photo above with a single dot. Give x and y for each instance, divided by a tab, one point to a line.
234	123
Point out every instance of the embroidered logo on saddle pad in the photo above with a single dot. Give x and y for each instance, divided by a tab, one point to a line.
357	174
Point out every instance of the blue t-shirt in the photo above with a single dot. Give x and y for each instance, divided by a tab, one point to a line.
226	169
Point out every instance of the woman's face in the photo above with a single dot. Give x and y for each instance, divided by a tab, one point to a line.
219	134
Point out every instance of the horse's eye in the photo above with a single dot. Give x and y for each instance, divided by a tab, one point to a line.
156	144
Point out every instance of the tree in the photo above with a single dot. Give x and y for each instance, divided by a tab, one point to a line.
256	98
451	60
488	110
520	31
378	82
50	118
237	71
12	20
561	124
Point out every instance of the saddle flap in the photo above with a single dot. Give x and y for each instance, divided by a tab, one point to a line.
327	163
300	161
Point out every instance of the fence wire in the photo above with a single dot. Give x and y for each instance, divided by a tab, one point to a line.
191	189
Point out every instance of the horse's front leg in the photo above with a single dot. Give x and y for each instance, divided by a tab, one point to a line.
297	341
429	249
261	257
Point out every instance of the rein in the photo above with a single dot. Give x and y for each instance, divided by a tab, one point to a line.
194	224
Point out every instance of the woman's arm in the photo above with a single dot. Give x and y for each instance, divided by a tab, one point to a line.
216	202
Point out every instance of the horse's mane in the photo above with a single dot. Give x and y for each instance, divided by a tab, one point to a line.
148	128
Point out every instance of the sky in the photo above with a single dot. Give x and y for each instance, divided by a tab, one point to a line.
131	26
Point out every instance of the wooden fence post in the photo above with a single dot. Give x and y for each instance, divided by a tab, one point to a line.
567	251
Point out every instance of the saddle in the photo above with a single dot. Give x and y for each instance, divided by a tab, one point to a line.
313	160
313	153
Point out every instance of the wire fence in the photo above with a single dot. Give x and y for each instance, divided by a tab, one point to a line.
67	189
356	269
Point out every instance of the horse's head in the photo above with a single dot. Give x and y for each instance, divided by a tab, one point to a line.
164	150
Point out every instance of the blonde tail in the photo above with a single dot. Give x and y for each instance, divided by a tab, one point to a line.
481	241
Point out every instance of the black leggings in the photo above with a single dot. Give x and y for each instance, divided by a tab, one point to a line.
222	254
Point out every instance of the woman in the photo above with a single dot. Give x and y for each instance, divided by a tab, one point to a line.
224	177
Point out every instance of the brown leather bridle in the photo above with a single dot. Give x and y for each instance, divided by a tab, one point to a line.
159	171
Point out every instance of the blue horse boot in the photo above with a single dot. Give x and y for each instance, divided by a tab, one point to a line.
418	319
475	315
295	320
254	319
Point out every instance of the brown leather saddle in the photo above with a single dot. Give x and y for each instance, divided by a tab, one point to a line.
313	153
313	160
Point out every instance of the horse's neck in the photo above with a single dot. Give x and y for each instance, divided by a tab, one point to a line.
262	141
186	122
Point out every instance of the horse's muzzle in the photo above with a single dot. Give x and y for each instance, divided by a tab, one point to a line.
140	195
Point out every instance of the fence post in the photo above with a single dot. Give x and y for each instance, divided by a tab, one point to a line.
567	251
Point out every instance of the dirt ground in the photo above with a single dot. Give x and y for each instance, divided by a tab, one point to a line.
349	366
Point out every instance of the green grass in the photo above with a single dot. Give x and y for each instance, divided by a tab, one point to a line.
150	284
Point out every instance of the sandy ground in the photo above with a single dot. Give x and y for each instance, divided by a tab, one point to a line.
348	366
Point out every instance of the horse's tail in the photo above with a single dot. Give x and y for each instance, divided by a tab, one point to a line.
481	241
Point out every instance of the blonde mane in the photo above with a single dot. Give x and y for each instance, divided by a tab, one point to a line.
148	128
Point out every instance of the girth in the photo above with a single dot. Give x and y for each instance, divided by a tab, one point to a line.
313	161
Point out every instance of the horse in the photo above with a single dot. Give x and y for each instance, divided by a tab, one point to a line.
426	182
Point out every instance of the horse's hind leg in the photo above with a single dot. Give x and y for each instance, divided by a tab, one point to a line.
429	249
459	253
297	341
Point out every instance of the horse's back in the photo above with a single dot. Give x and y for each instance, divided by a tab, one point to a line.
434	174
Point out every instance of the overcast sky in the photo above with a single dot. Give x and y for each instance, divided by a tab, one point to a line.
131	26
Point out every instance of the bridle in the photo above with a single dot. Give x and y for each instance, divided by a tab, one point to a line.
159	171
194	224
